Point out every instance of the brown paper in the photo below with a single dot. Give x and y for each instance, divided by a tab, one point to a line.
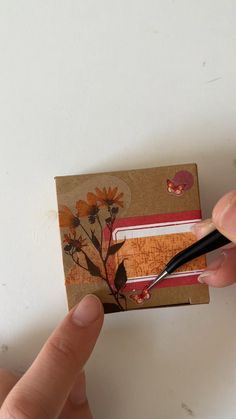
119	229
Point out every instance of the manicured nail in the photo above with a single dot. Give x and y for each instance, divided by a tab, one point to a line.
224	213
212	268
87	311
78	393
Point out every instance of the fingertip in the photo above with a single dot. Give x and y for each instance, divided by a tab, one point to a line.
216	279
203	228
221	272
224	215
87	311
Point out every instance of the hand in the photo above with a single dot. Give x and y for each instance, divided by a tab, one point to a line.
54	386
222	271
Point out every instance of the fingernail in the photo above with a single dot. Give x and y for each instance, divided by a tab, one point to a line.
87	311
203	227
78	391
224	213
212	268
202	277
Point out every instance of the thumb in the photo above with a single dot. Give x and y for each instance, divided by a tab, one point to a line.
224	215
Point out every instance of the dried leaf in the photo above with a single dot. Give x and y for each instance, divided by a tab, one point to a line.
93	269
120	277
115	247
95	241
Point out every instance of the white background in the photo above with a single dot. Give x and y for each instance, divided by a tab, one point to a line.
91	86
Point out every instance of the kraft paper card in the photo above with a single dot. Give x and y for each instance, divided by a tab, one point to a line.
119	229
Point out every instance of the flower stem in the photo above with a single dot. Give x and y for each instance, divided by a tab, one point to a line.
110	238
90	239
85	231
105	264
78	263
104	261
99	222
111	289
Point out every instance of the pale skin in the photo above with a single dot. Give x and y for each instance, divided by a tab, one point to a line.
54	385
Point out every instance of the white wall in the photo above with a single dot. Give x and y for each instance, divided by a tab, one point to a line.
102	85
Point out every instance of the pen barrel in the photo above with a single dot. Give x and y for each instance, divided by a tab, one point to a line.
212	241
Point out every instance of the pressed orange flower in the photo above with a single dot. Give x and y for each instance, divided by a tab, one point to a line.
89	208
74	244
68	219
68	238
109	196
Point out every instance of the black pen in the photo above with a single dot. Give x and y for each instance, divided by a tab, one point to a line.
212	241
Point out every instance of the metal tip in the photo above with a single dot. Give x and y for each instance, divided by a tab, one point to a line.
161	276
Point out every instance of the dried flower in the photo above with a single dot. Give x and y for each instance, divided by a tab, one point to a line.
89	208
92	219
109	196
107	200
74	244
68	219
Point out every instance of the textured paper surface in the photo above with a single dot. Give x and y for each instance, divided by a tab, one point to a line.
119	229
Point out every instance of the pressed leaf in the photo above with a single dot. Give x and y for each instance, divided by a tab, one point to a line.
93	269
120	277
115	247
68	247
95	241
111	308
